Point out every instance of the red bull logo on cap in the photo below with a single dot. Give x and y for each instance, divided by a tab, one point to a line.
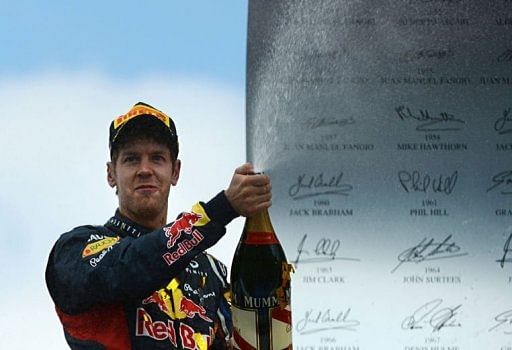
184	224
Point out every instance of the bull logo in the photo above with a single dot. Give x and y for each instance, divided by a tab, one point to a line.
184	224
191	309
158	300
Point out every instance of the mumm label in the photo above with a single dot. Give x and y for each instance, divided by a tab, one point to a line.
256	303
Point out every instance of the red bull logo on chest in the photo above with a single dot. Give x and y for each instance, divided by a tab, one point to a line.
158	300
174	331
190	308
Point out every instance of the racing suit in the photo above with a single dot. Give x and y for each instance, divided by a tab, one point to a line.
121	286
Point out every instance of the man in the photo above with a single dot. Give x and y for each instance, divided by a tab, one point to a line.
138	282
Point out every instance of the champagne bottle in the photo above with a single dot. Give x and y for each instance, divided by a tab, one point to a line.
260	285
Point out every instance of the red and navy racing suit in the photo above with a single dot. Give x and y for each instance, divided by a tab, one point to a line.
121	286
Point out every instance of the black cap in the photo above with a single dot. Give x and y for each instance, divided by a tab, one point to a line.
135	114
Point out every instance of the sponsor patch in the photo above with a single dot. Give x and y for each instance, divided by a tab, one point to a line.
140	110
190	308
95	260
95	237
184	224
160	330
199	211
98	246
166	298
184	247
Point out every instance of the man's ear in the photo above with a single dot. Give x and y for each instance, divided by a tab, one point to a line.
111	174
175	172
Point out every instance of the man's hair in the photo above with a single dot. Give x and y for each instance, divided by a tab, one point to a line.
145	129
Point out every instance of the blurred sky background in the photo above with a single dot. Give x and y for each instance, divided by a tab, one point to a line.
67	68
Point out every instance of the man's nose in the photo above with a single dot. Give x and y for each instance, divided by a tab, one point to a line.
145	168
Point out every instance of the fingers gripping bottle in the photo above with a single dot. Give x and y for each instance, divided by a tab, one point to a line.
260	285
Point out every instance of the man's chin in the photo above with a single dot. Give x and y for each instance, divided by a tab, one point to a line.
149	208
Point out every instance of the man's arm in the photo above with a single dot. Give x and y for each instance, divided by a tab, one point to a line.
131	269
83	270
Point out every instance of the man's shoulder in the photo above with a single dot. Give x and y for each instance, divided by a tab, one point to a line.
85	233
81	243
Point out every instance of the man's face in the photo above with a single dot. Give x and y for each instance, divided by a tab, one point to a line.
143	173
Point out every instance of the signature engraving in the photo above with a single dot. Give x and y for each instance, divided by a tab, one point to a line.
503	322
502	125
315	321
431	314
507	248
505	56
317	185
314	123
415	182
443	122
430	250
325	250
425	54
502	180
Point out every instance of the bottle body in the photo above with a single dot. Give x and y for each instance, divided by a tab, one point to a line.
260	282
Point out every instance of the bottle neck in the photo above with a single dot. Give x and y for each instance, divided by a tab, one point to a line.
258	230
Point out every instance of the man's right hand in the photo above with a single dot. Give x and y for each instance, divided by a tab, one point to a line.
249	193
